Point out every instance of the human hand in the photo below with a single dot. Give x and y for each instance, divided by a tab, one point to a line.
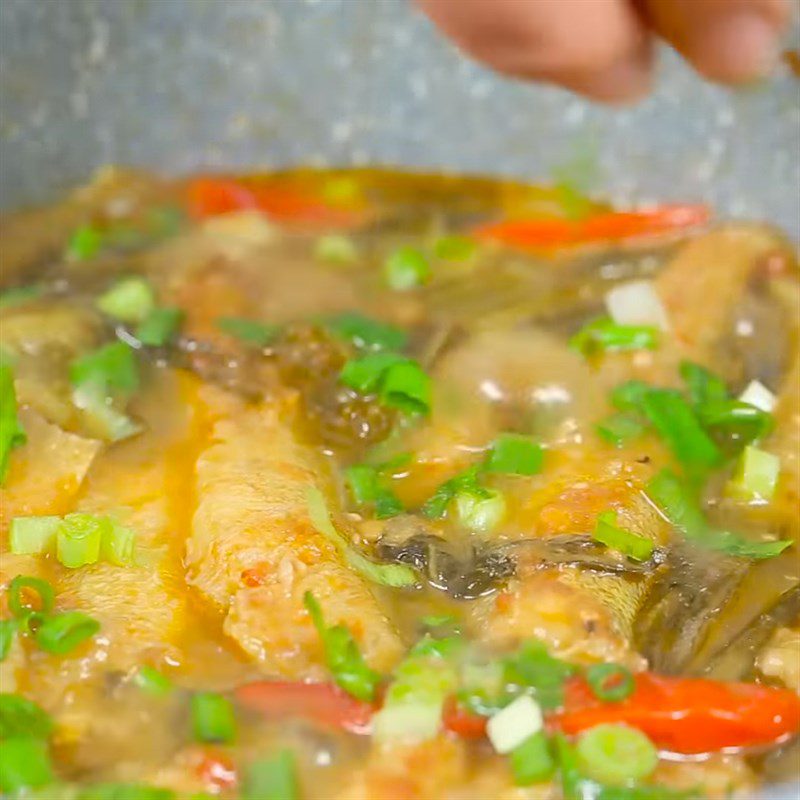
604	48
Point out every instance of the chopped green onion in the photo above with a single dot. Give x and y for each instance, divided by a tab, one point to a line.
703	386
213	718
19	294
513	454
33	535
454	248
344	659
680	507
62	633
438	620
572	782
159	327
610	683
150	680
756	476
742	422
85	243
618	429
112	366
272	779
446	647
511	726
22	717
406	268
406	386
12	434
532	761
396	575
45	596
125	791
249	330
366	488
118	544
673	418
79	537
105	420
616	754
24	764
366	374
468	481
129	300
8	628
629	544
367	333
629	396
412	708
336	249
533	667
606	336
482	514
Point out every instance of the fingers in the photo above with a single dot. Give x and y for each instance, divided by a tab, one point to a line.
731	41
599	48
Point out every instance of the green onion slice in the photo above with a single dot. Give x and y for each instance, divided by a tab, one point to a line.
603	335
406	386
22	717
366	374
406	268
33	535
756	476
367	333
112	366
673	418
481	514
213	718
150	680
24	764
44	601
272	779
703	386
611	683
514	454
534	668
366	488
12	434
62	633
160	326
79	538
741	422
616	754
249	330
680	507
629	544
620	428
344	659
128	300
629	396
466	482
118	544
532	761
101	415
85	243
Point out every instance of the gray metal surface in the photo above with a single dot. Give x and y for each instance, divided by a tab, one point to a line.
178	85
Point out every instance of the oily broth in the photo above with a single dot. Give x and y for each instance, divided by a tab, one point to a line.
492	331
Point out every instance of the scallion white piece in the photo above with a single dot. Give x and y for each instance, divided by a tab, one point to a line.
636	303
756	476
512	725
756	394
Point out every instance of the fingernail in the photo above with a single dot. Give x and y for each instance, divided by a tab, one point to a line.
738	47
624	82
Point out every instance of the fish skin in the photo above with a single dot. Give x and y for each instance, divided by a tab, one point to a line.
254	553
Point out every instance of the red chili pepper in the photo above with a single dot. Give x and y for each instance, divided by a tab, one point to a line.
688	715
216	770
683	715
611	226
462	721
320	702
209	197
